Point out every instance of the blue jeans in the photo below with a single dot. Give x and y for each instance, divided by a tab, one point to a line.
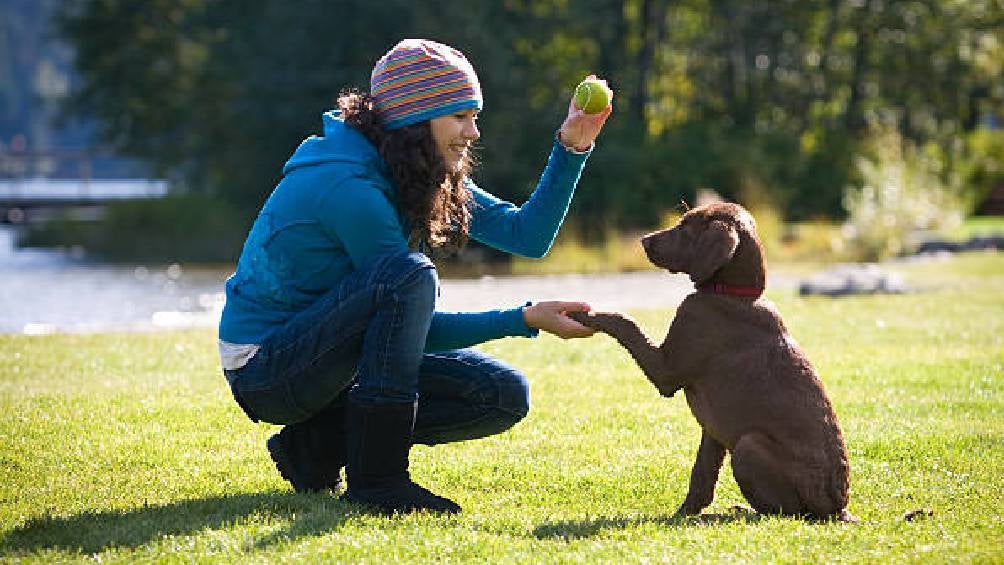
366	337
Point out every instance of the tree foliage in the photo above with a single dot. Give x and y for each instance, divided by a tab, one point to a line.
722	94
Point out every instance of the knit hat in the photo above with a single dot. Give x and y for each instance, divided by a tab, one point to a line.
419	80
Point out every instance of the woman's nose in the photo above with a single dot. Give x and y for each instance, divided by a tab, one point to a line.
471	130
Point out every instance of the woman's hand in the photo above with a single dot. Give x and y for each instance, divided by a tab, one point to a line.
580	129
550	317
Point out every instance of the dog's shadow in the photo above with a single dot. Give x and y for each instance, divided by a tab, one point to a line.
91	532
576	529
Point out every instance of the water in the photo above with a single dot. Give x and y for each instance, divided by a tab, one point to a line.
45	291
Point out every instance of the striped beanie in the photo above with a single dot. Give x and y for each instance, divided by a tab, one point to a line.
419	80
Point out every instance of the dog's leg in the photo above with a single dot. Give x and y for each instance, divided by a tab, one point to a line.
703	476
764	477
648	357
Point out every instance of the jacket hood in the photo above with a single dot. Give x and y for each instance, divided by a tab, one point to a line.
339	144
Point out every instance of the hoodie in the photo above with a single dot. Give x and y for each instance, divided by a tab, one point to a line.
334	212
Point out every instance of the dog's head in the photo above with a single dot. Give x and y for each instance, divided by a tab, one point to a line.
704	241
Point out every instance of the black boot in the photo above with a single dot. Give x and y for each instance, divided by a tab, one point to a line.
378	442
310	454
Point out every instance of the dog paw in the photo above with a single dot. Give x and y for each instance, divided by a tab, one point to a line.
848	518
594	320
608	322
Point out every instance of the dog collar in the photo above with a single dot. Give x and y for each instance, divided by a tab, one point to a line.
730	289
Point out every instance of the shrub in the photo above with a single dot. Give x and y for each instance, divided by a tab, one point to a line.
180	227
904	192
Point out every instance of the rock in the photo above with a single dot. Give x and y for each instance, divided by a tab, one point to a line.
977	243
846	280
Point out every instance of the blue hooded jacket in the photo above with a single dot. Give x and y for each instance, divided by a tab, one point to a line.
334	211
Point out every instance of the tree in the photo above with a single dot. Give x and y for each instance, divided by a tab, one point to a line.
726	94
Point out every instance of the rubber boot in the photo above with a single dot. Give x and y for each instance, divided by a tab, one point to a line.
378	442
310	454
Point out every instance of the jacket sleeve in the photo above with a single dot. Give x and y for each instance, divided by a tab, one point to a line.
530	229
456	330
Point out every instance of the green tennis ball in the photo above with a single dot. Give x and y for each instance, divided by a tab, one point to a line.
591	96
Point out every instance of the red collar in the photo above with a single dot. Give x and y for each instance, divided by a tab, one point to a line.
730	289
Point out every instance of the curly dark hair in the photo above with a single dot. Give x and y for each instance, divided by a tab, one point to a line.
434	201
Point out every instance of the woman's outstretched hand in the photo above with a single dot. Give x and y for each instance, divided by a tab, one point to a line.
580	129
550	317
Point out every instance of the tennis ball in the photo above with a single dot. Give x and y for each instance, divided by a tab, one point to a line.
592	96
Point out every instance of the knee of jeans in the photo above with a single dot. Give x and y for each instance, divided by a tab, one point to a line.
411	270
514	396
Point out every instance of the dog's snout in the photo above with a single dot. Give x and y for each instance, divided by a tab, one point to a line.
646	242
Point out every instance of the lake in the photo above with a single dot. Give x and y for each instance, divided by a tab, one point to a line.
45	291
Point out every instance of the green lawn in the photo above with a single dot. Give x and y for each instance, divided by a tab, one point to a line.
128	448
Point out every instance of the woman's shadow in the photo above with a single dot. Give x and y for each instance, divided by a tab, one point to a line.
91	532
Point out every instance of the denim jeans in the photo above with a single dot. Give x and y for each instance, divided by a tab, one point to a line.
366	337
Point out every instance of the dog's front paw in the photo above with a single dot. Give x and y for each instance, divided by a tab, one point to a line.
595	320
607	322
584	318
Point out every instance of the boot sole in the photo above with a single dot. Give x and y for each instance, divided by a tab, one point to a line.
385	508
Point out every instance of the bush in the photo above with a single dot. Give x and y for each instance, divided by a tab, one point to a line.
180	227
983	164
904	192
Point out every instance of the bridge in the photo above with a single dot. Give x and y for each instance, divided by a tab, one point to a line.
35	186
28	199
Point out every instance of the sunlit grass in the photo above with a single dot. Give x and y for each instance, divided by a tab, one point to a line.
979	226
618	252
792	247
128	448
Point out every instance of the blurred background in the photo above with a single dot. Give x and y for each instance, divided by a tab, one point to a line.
138	139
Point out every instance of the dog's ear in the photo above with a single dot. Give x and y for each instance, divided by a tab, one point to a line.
714	248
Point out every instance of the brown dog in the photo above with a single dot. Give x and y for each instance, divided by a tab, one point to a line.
747	382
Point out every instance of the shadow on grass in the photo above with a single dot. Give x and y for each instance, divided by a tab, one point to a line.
576	529
89	532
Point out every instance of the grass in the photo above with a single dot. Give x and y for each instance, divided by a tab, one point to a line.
796	246
127	448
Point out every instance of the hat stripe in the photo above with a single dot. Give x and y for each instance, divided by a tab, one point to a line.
419	80
426	87
431	77
429	102
416	60
418	69
454	105
403	58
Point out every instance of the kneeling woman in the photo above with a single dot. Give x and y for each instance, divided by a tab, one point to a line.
330	326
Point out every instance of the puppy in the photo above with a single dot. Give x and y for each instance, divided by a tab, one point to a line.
747	382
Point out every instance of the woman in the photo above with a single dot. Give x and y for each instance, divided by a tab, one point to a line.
330	324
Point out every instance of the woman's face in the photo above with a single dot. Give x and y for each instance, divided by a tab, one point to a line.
454	133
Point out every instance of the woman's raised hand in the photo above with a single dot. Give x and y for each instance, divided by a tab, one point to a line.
580	129
550	317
